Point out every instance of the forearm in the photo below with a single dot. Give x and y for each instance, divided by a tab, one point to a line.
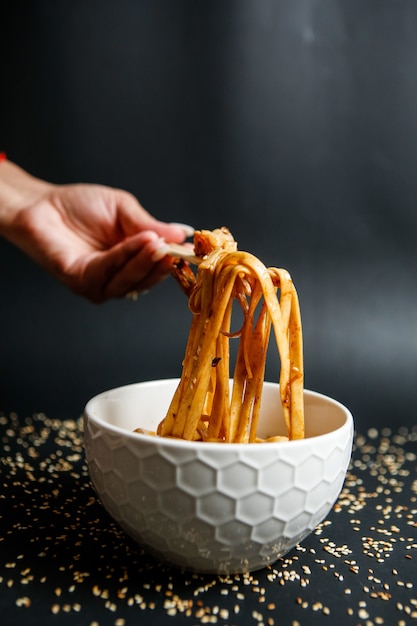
18	190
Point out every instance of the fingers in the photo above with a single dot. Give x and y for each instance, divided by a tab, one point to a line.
133	218
129	266
174	232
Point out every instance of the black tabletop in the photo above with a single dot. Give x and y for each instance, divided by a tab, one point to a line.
64	561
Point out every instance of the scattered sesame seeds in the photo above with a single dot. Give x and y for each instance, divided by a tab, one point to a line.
58	543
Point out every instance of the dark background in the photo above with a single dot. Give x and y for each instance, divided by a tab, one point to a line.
293	122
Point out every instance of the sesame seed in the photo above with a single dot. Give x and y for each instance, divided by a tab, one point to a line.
64	523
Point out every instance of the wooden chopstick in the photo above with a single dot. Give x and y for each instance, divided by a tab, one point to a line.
182	252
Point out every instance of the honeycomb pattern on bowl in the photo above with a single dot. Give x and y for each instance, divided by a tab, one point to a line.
216	508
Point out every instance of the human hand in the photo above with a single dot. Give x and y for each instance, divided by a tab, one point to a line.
97	240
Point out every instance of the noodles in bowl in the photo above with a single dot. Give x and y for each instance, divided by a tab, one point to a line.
212	507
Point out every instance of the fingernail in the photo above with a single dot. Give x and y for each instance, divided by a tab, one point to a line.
186	228
134	294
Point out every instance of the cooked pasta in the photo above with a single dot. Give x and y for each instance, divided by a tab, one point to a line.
206	406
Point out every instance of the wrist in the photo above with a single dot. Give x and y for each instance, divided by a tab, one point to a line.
18	190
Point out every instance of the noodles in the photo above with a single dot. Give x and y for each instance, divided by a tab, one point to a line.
205	406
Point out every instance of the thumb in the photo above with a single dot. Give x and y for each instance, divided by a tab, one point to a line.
134	218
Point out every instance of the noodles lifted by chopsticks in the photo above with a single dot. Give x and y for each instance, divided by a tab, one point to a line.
204	406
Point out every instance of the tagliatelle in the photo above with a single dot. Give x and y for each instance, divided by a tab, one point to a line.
205	405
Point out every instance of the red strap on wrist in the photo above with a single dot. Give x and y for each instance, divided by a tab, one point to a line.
3	156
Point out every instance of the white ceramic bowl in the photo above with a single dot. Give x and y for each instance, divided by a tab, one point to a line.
215	507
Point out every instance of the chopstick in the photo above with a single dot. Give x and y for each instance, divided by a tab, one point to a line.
182	252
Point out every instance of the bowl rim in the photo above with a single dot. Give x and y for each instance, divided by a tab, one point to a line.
348	424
